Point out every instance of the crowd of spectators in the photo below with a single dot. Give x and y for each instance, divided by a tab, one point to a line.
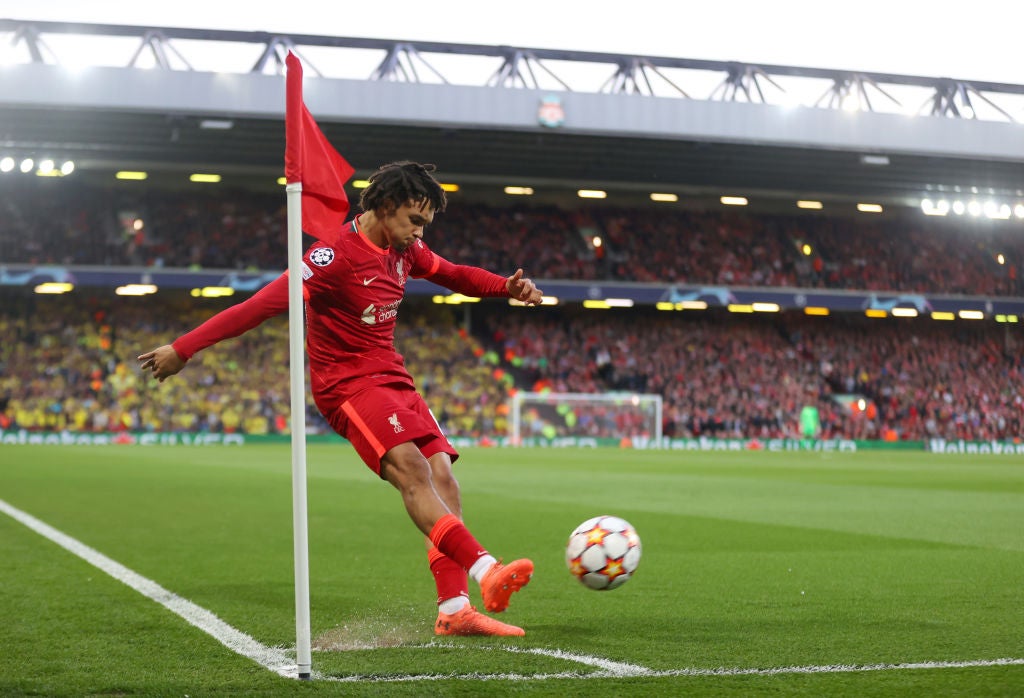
722	376
54	222
925	379
717	376
51	222
69	363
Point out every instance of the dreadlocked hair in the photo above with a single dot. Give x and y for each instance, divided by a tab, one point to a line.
397	183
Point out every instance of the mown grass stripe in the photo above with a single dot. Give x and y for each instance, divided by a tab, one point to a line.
277	659
273	658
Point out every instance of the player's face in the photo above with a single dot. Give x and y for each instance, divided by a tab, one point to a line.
405	225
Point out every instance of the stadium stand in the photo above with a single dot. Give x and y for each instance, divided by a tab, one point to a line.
243	230
69	364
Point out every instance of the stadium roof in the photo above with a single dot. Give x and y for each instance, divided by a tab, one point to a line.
511	131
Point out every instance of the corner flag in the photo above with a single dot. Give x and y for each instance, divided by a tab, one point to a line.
310	160
317	204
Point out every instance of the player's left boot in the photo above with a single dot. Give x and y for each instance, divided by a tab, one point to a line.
469	621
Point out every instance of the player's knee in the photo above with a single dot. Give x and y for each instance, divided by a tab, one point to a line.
407	471
446	483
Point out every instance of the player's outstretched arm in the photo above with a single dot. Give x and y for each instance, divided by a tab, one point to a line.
523	290
480	283
164	362
169	359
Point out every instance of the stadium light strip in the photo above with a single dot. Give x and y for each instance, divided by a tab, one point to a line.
765	307
212	292
545	300
931	208
54	287
876	312
971	315
670	198
135	289
1007	318
217	124
734	200
739	308
904	312
869	208
454	299
816	310
131	175
204	178
519	191
681	305
591	194
812	205
943	315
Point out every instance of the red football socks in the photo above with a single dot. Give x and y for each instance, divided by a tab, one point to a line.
454	540
450	578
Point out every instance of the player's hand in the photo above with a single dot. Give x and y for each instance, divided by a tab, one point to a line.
164	362
522	289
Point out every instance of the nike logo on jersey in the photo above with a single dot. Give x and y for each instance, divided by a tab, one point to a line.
367	282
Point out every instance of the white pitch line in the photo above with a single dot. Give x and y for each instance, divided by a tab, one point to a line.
277	659
651	673
273	658
608	669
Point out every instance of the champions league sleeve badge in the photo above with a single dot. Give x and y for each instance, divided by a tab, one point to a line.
322	256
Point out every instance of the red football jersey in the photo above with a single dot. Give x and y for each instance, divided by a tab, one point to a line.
353	290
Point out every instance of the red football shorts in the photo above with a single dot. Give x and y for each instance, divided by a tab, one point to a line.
377	419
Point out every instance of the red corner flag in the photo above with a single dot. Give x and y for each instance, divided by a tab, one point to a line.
310	160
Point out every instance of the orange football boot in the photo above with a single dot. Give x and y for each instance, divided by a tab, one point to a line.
470	621
502	580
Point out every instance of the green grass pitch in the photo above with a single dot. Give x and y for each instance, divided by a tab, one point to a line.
750	561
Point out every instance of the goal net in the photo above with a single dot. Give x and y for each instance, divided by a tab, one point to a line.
543	417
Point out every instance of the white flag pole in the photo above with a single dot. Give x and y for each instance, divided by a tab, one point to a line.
297	369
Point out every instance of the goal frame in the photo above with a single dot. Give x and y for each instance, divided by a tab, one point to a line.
520	397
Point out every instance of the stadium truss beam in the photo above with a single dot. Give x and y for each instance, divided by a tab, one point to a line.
524	67
519	69
633	76
953	98
159	46
745	80
400	65
851	91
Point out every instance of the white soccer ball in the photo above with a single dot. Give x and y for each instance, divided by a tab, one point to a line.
603	552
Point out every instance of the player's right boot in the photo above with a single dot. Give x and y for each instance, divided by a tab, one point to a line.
502	580
470	621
